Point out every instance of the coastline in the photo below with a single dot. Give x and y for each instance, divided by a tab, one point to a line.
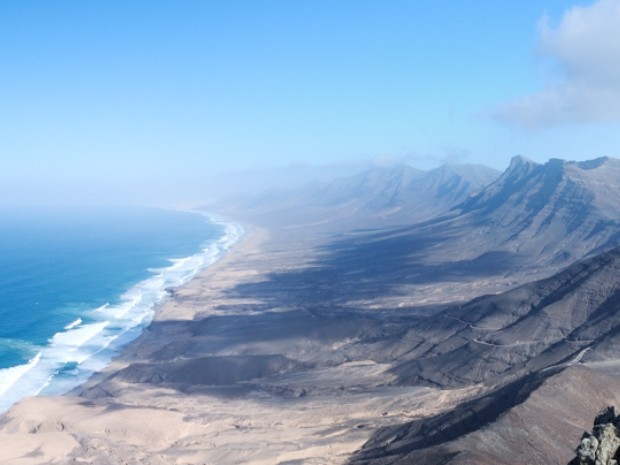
213	379
89	343
171	307
214	253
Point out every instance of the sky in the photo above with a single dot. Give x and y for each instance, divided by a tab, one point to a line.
157	102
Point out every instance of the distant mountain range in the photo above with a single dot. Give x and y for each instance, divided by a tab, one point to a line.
531	222
379	196
558	212
533	218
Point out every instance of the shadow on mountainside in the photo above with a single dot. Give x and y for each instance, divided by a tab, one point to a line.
301	319
370	267
231	355
406	443
309	318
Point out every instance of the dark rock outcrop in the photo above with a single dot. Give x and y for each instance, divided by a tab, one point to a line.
600	447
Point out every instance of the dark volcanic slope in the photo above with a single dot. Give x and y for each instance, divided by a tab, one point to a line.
566	319
553	210
378	196
533	221
534	421
570	317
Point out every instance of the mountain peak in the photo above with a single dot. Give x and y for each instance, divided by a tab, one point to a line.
596	163
586	165
520	160
520	166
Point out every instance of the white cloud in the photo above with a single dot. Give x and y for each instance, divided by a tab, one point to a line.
585	46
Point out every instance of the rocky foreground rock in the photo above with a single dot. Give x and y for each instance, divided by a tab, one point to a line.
600	447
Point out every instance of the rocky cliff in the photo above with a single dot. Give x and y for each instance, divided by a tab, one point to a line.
600	446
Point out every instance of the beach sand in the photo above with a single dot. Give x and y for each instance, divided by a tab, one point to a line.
236	368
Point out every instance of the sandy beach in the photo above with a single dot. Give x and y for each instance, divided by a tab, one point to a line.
236	368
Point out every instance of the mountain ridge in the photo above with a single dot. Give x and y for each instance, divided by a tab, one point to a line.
539	218
549	353
378	196
532	327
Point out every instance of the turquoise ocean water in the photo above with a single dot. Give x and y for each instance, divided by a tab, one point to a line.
78	283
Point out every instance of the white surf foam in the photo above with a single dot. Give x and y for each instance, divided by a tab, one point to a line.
74	354
73	324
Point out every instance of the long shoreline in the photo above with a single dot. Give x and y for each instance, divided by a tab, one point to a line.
167	309
135	310
228	373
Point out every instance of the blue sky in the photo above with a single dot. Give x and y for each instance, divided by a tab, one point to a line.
161	100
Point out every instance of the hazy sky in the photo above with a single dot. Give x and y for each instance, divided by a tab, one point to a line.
152	101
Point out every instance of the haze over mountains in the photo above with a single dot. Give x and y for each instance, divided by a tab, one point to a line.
445	235
376	197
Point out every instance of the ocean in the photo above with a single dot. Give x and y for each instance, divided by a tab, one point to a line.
76	284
